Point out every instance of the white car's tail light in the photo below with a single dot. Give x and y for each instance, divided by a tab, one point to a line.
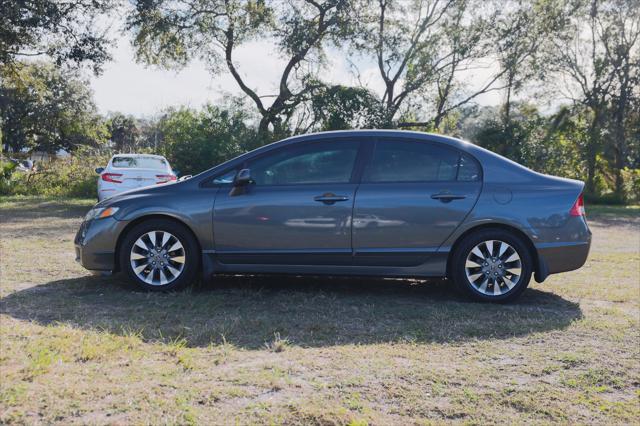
165	178
111	177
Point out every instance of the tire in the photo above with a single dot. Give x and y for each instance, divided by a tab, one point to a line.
176	264
475	271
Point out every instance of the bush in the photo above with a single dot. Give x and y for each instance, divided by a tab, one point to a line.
74	176
631	184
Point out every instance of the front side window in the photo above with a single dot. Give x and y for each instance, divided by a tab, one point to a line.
319	162
225	178
399	161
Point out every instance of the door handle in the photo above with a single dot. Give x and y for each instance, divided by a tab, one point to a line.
446	197
330	198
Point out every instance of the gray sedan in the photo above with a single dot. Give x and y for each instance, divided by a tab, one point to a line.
380	203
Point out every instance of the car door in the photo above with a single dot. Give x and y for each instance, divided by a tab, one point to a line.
412	196
296	211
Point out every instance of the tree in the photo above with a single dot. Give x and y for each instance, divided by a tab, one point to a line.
124	132
194	141
598	62
521	33
65	30
47	109
172	32
340	108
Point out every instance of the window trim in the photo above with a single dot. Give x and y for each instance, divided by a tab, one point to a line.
457	151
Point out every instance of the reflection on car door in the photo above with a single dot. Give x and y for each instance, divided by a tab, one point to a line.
413	195
297	211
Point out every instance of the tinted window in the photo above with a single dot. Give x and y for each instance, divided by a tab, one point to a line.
398	161
321	162
139	163
468	170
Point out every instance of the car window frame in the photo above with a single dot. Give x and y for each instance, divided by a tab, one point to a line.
457	151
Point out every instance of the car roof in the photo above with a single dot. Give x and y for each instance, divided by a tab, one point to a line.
138	155
495	167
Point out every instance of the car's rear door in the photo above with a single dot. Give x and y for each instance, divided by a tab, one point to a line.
412	196
297	211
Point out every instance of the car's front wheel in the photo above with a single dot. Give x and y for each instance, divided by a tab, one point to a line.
492	265
159	255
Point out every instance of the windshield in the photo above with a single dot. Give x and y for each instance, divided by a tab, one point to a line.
139	163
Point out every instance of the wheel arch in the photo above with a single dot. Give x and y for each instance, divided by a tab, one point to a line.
145	218
538	267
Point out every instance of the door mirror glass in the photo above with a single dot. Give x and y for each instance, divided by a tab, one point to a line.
99	170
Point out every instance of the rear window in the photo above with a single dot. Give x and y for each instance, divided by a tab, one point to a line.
139	163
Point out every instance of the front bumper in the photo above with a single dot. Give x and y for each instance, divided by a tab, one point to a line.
95	243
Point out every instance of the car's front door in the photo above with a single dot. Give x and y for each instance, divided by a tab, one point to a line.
413	195
297	210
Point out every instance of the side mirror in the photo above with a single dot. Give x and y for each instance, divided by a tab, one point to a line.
243	178
99	170
241	182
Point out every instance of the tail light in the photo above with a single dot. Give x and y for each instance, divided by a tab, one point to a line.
111	177
578	207
165	178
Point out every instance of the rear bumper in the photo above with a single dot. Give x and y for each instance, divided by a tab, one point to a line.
95	244
554	258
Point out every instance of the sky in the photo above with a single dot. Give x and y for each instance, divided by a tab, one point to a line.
135	89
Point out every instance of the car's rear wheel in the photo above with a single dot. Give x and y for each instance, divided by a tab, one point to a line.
160	255
492	265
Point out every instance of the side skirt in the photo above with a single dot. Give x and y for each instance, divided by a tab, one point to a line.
435	266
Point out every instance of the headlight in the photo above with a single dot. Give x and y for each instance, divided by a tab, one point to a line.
100	213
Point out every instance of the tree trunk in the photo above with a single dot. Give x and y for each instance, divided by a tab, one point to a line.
592	152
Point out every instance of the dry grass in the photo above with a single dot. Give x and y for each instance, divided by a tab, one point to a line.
79	349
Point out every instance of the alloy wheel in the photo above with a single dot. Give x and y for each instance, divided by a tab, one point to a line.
493	267
157	258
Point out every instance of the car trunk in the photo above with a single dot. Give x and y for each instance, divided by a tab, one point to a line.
133	178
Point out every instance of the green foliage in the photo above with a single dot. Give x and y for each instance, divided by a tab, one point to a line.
342	107
65	31
194	141
6	170
124	132
74	176
47	109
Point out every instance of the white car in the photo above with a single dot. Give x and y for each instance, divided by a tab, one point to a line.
125	172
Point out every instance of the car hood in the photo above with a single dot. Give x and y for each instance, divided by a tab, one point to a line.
137	193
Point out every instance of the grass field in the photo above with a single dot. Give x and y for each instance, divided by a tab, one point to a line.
79	349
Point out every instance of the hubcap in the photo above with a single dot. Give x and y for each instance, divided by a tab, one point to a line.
493	267
157	258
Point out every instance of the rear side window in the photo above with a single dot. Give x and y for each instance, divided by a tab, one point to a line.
320	162
468	170
139	163
399	161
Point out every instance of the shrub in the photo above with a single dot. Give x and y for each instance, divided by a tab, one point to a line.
74	176
631	184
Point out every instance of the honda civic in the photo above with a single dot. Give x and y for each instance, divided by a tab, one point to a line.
366	203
